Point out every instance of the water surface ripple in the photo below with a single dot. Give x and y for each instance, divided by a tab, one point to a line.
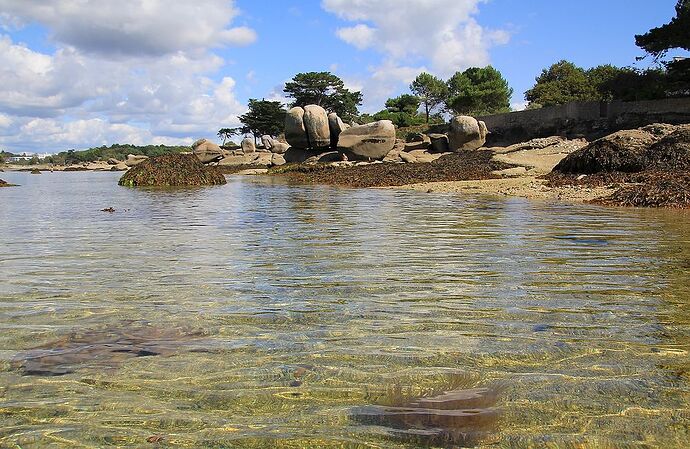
261	314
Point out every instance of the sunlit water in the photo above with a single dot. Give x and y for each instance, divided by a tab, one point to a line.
276	310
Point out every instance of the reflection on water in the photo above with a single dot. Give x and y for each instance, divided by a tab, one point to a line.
259	314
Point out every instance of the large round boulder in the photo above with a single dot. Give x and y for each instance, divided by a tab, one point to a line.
466	133
267	141
279	147
295	133
248	145
373	140
172	170
207	151
316	124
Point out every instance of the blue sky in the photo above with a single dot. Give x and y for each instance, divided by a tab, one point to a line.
154	71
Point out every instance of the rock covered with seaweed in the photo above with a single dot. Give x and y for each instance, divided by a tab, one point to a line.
651	162
172	170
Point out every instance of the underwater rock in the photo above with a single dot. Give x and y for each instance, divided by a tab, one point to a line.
460	417
104	348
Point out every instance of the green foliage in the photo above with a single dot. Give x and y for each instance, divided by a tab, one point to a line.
478	91
430	90
675	34
264	117
561	83
628	84
227	133
326	90
564	82
400	119
116	151
365	118
403	103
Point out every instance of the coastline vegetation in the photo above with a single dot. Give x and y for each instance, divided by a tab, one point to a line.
102	153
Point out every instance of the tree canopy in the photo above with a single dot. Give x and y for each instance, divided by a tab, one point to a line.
564	82
430	90
561	83
675	34
227	133
264	117
478	91
326	90
404	103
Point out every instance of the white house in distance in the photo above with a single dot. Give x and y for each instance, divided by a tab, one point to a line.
27	157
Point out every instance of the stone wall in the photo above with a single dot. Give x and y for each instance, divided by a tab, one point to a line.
583	119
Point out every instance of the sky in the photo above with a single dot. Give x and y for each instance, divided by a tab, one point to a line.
81	73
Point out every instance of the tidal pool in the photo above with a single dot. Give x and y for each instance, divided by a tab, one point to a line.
260	314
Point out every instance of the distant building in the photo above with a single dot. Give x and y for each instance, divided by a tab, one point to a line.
26	157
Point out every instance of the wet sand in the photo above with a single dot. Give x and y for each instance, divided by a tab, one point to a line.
524	186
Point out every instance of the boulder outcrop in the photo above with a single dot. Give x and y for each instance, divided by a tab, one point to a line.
295	132
133	160
439	143
373	140
207	151
279	147
335	126
172	170
248	145
267	141
317	126
466	133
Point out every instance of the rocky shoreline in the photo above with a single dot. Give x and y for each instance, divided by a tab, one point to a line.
644	167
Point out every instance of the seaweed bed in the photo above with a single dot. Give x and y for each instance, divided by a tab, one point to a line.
649	167
462	166
172	170
653	188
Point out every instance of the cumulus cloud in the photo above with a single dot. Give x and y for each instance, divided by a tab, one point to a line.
443	32
119	74
133	27
440	36
361	36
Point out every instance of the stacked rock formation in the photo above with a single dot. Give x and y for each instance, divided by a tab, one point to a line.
310	130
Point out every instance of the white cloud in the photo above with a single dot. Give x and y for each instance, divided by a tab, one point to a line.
518	106
5	121
133	27
361	36
54	135
119	74
442	32
383	82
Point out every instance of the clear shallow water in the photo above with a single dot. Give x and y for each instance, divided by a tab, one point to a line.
581	314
